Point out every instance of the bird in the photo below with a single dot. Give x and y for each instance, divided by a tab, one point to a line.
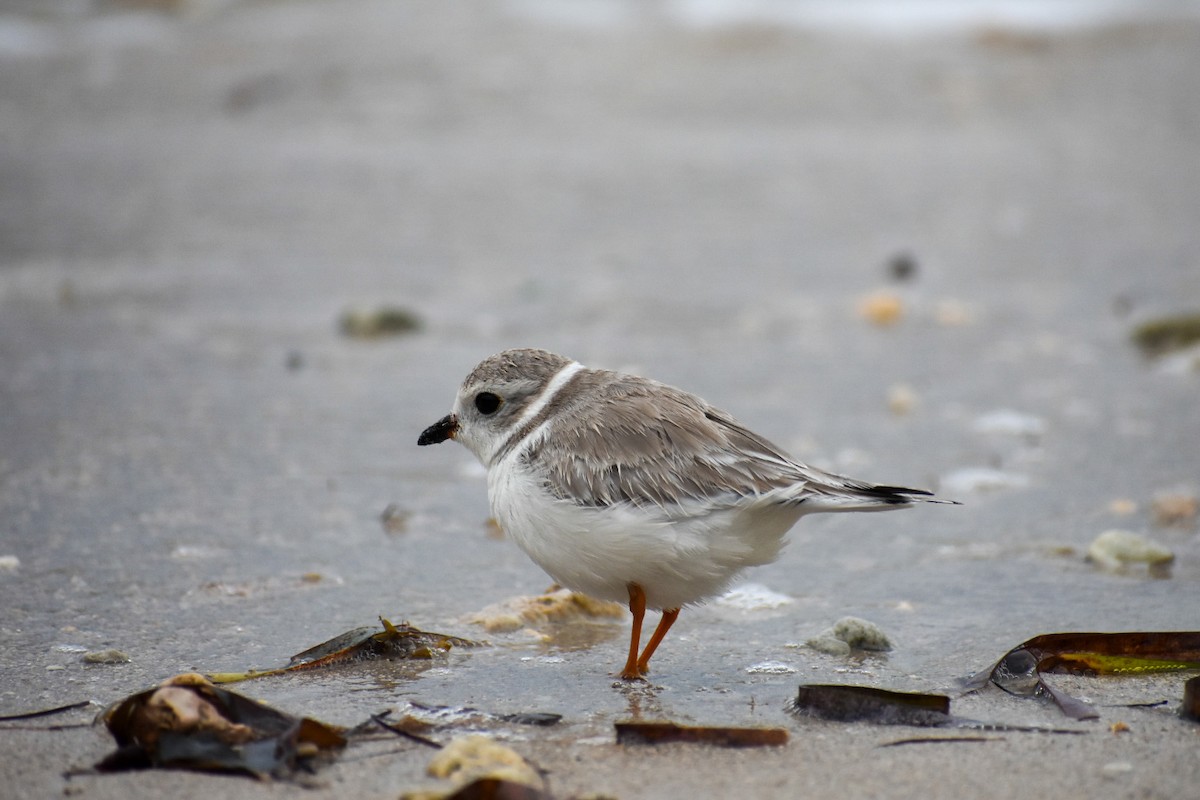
627	489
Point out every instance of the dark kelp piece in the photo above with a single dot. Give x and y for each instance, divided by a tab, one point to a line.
1020	670
45	712
868	704
429	719
189	723
394	641
498	789
542	719
406	728
474	715
667	732
401	641
1191	700
942	740
1157	337
846	703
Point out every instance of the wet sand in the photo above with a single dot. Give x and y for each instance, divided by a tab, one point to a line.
194	460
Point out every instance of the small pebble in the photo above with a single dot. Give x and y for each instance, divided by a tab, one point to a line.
1175	509
9	563
467	758
829	644
109	656
394	519
881	308
902	266
850	633
1159	336
387	321
901	399
1122	507
861	634
1115	769
1115	549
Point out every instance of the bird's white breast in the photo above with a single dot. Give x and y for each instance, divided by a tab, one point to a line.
678	558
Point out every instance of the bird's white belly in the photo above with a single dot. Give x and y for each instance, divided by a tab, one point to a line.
676	559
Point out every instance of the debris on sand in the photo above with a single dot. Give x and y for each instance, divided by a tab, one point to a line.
394	642
1157	337
901	399
1122	507
394	519
110	656
557	605
902	266
881	308
848	634
669	732
1176	508
869	704
477	766
1021	671
1116	550
1191	699
189	723
378	323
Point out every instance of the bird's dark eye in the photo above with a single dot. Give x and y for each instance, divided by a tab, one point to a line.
487	403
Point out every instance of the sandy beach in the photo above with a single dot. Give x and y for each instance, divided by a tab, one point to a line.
913	253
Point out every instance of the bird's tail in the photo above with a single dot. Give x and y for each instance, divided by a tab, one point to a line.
850	495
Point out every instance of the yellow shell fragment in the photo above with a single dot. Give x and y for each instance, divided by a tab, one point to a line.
556	605
881	308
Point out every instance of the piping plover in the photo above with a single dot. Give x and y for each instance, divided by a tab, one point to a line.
627	489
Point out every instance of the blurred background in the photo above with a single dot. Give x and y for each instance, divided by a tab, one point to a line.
249	248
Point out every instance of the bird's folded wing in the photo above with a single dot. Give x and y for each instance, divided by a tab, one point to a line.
644	443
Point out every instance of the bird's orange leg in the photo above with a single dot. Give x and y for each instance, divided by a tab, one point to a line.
664	625
637	607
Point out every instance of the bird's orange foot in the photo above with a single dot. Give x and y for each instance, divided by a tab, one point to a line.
634	673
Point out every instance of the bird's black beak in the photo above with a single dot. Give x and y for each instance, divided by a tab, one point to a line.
440	431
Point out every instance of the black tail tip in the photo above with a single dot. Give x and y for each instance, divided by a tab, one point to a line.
900	495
